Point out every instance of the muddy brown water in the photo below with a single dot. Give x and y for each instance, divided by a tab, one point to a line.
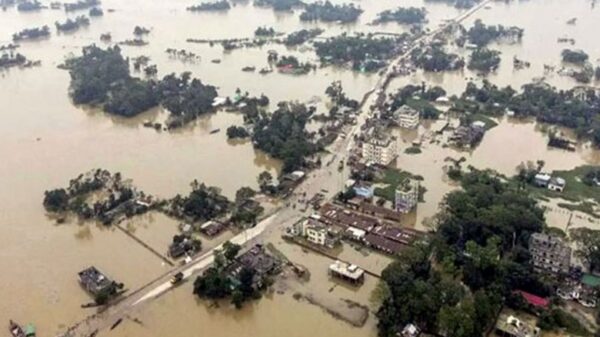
45	141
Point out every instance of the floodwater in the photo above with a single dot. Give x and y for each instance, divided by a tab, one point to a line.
45	141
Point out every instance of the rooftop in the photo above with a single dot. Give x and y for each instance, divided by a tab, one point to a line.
350	271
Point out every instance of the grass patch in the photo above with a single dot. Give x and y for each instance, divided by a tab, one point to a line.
576	189
392	178
584	207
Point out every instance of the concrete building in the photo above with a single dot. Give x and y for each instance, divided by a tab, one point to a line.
557	184
407	196
542	179
318	233
347	272
407	117
380	149
549	253
364	190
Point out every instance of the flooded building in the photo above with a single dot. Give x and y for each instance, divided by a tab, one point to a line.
347	272
407	196
511	326
258	260
379	148
549	253
407	117
212	228
316	232
95	282
468	136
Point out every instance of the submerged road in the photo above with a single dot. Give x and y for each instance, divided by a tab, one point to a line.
326	180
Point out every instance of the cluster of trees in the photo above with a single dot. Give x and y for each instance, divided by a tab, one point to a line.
419	98
102	77
140	30
264	32
356	50
72	24
31	33
481	35
245	210
237	132
96	12
292	63
279	5
588	246
328	12
547	104
335	92
435	58
74	198
29	6
8	60
484	60
461	4
481	256
80	5
574	56
301	36
283	135
216	283
202	204
222	5
403	15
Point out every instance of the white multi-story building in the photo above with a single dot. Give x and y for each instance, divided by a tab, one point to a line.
380	149
407	196
316	232
407	117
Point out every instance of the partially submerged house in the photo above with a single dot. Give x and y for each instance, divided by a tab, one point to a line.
96	283
549	253
347	272
258	260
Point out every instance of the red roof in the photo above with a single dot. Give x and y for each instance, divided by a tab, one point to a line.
534	300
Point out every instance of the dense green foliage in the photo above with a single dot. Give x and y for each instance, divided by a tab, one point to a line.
301	36
222	5
328	12
484	60
482	239
588	246
237	132
28	6
403	15
184	96
278	5
458	3
436	59
56	200
80	5
96	12
283	135
72	24
31	33
358	50
102	77
574	56
264	32
202	204
481	35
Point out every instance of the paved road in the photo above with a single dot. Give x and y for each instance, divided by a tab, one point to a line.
327	180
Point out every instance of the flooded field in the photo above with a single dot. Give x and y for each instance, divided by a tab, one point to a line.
45	140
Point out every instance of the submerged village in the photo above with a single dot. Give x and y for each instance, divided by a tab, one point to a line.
286	167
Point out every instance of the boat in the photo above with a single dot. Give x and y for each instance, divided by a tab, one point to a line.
215	131
15	329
